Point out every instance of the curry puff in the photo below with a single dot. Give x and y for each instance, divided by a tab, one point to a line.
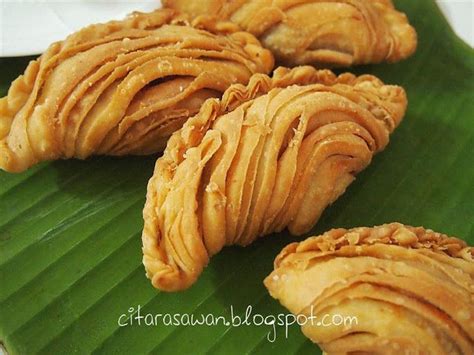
323	33
268	156
121	87
405	290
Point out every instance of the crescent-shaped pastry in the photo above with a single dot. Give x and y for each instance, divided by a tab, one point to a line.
320	32
268	156
121	87
391	289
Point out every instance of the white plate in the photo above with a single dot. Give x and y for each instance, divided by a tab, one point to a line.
460	13
27	27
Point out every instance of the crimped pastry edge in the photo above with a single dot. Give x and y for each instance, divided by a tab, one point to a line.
25	85
403	36
261	84
389	234
193	131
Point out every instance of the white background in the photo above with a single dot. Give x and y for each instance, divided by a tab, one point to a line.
460	14
29	26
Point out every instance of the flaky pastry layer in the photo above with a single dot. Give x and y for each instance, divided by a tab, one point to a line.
268	156
320	32
122	87
410	289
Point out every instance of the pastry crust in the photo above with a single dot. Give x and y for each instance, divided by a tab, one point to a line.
322	33
268	156
411	289
122	87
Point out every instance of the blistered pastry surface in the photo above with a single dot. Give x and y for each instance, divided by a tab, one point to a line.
122	87
323	33
270	155
410	288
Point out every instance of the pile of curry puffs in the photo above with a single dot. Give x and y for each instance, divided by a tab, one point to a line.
249	150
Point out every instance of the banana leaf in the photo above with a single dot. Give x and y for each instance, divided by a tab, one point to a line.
70	248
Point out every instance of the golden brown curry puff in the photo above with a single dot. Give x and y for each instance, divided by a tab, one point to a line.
406	290
323	33
121	87
268	156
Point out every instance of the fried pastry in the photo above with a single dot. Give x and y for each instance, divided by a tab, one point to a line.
323	33
268	156
404	289
121	87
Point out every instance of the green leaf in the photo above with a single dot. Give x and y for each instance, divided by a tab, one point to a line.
70	248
